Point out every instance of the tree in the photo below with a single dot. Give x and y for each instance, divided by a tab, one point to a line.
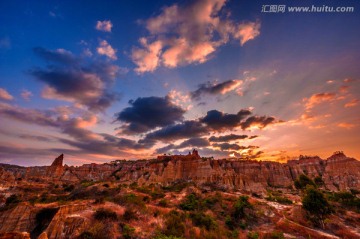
303	181
315	203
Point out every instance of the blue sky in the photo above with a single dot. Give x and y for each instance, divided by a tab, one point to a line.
104	80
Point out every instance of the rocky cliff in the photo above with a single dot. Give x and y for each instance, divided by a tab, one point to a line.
339	172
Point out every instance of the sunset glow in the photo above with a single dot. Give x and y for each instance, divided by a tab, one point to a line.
100	81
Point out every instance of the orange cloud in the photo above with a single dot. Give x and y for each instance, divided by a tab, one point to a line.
247	32
189	34
147	58
4	95
346	125
352	103
318	98
106	49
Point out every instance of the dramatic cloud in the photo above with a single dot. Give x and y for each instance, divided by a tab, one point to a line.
148	113
106	49
217	120
189	34
83	84
226	138
216	88
26	95
214	121
104	26
76	127
193	143
4	95
258	121
182	130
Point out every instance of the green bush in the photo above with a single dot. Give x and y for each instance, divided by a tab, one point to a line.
303	181
276	235
128	232
174	224
163	203
202	220
105	214
190	203
315	203
253	235
239	207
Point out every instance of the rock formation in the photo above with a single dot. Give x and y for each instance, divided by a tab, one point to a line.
338	171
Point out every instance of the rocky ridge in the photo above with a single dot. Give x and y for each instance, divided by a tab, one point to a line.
338	172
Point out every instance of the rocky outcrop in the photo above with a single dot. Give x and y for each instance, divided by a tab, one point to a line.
6	178
18	219
66	222
338	171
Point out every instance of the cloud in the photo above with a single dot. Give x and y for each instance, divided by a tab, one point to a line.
214	121
61	56
218	121
81	83
26	95
190	143
106	49
148	113
247	31
147	58
228	146
85	140
187	34
186	129
216	88
258	121
352	103
104	26
316	99
346	125
226	138
5	95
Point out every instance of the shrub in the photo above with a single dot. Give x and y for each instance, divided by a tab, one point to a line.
105	214
316	205
253	235
129	214
190	203
69	188
161	236
318	181
128	232
239	207
174	224
278	198
203	220
275	235
303	181
163	203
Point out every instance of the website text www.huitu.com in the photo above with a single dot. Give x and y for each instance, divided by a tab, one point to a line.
306	9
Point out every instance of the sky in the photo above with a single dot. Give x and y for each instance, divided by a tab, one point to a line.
107	80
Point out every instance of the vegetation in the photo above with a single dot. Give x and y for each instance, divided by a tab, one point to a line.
315	203
174	224
303	181
105	214
276	196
